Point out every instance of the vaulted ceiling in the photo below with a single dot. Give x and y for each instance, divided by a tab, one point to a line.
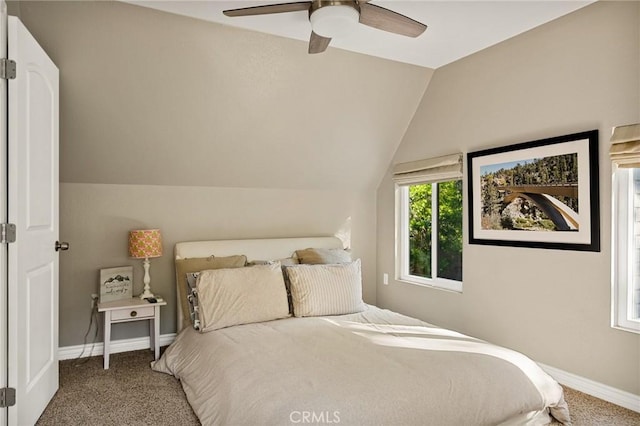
455	28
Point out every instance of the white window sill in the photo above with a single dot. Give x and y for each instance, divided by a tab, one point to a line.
635	330
438	283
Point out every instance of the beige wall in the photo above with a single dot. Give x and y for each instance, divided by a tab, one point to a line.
95	218
208	132
577	73
215	105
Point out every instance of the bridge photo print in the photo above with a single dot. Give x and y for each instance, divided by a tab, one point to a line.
540	194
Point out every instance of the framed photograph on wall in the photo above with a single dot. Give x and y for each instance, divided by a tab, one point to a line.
542	194
116	283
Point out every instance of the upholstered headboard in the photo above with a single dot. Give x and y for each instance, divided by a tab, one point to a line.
259	249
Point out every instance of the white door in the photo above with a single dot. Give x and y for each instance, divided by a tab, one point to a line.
33	208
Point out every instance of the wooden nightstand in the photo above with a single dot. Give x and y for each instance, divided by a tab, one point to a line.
133	309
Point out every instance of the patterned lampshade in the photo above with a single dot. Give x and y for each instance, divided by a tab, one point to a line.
145	243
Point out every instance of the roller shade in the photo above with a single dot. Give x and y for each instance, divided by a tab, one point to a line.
435	169
625	146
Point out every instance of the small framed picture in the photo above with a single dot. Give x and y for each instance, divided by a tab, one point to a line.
116	283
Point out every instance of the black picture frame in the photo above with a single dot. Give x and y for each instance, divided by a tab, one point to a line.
512	188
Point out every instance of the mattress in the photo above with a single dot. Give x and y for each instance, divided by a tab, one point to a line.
376	367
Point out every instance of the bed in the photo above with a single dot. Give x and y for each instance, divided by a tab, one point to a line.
253	363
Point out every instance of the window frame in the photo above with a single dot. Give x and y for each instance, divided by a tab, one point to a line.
622	250
402	239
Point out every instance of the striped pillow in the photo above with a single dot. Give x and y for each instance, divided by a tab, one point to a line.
326	289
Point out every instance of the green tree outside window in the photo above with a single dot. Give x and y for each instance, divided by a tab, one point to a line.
449	230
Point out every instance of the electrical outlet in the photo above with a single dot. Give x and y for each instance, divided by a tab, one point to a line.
94	300
385	279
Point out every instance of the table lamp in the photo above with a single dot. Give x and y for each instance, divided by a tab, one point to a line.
144	244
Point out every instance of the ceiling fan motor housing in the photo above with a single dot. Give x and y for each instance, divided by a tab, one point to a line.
336	18
331	18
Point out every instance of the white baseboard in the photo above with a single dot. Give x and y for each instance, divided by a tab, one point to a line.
123	345
590	387
593	388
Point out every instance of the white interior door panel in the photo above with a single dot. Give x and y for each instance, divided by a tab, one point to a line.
33	208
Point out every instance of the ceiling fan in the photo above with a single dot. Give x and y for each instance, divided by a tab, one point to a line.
332	18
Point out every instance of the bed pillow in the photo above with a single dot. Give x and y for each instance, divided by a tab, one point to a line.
197	264
334	289
192	299
288	261
315	256
229	297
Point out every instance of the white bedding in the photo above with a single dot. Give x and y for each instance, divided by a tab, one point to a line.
376	367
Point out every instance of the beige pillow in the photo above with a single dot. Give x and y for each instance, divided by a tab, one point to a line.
230	297
287	261
334	289
197	264
315	256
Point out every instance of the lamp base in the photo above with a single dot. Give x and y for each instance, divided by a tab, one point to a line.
147	281
146	295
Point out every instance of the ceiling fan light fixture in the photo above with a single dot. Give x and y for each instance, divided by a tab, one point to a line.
334	21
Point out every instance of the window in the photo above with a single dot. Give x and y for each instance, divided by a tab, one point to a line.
429	221
625	157
626	250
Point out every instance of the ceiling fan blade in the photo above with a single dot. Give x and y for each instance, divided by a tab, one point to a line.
269	8
318	44
387	20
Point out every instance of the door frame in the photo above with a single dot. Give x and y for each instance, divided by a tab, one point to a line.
4	288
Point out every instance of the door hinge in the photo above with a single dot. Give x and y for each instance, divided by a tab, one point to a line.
7	69
7	397
7	233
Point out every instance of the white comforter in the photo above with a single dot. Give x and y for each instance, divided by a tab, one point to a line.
372	368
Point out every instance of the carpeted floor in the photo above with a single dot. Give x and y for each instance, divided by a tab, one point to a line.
587	410
130	393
